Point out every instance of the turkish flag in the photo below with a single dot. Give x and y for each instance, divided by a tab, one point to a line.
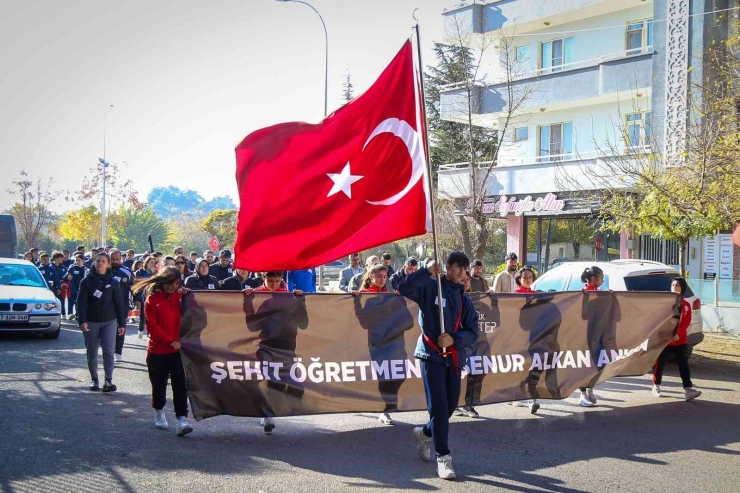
214	244
313	193
736	235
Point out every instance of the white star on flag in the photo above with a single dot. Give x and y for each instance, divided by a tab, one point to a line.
343	181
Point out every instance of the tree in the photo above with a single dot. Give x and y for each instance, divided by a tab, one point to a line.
348	88
82	225
31	211
117	191
459	139
130	227
222	224
169	202
187	231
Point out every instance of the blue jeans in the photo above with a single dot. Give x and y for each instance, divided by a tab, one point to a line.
442	387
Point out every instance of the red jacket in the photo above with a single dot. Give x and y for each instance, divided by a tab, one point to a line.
523	290
264	289
683	324
162	313
374	289
591	287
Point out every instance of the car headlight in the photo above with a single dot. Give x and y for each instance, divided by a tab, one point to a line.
50	306
38	306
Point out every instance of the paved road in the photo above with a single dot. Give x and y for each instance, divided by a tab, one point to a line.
56	436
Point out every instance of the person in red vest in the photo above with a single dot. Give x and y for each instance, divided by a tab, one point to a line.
678	347
593	279
163	293
282	336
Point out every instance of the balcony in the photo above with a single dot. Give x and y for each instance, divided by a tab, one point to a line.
526	16
614	77
531	175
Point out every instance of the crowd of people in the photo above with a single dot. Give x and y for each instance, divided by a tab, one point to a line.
103	291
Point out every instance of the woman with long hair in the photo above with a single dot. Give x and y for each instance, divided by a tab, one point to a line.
182	265
163	293
101	315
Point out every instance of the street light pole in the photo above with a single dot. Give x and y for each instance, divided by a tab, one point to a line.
326	53
326	92
104	163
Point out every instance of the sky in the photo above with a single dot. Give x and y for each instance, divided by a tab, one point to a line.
188	80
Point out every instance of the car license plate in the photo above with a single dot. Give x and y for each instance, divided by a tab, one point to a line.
13	318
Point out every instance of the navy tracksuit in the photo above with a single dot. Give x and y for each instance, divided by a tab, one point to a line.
441	375
77	274
123	276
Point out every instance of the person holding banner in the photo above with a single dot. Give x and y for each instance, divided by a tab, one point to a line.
441	353
277	341
523	279
162	310
593	277
678	347
385	333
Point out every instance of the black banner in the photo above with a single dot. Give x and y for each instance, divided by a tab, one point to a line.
275	354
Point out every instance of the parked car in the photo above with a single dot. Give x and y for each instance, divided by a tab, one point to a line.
333	269
625	275
26	302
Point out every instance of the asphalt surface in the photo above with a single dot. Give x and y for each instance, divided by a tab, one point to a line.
58	436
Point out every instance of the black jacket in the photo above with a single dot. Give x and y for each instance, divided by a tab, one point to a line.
397	277
196	282
235	283
99	300
123	276
221	273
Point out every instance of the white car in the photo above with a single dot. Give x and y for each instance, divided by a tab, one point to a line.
624	275
26	302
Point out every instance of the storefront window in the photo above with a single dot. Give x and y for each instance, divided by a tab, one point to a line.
551	240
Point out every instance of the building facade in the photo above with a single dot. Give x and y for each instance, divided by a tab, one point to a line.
588	81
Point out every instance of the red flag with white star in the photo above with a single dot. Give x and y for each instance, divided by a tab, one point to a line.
314	193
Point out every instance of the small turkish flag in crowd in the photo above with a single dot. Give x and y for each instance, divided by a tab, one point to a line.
314	193
214	244
736	235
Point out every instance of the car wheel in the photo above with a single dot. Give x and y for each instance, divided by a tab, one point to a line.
53	335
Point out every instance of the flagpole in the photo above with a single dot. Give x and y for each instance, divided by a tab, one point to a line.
429	178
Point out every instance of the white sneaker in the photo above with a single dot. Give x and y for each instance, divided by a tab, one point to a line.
656	391
386	419
160	421
119	358
444	467
70	317
141	334
585	402
268	424
423	444
591	396
534	406
691	394
183	427
520	403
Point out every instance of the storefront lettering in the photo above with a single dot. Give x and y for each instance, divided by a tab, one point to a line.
505	205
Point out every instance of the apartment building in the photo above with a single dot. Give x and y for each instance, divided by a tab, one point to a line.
591	80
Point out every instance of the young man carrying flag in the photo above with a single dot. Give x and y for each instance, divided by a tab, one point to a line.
441	353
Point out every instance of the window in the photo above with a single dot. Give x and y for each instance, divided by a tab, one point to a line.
638	129
556	142
555	54
521	133
522	53
639	36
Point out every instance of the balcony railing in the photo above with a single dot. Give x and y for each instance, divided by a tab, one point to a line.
633	151
558	69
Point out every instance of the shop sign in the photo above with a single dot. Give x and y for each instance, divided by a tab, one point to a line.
505	205
726	249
